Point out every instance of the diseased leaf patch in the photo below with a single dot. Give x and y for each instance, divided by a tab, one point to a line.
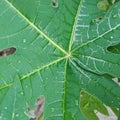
103	5
37	112
97	19
106	4
7	51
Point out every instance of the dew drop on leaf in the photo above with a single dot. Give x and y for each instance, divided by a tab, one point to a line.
21	93
114	16
41	36
111	37
76	102
24	40
19	61
118	98
17	115
5	108
111	101
53	109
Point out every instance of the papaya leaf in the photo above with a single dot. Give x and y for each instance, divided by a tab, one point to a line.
54	49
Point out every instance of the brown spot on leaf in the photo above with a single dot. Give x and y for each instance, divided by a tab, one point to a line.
38	109
7	51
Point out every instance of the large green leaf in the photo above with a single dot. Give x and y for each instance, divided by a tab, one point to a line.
62	47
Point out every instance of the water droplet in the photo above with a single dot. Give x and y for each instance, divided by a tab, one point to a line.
114	16
26	86
47	68
118	98
17	115
3	118
13	115
24	40
19	61
5	108
53	109
76	102
111	37
21	93
41	36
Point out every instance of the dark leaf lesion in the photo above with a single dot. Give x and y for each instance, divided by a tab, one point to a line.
54	3
7	51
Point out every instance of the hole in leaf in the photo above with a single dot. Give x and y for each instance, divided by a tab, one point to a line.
89	104
114	49
116	80
54	3
37	112
97	19
7	51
